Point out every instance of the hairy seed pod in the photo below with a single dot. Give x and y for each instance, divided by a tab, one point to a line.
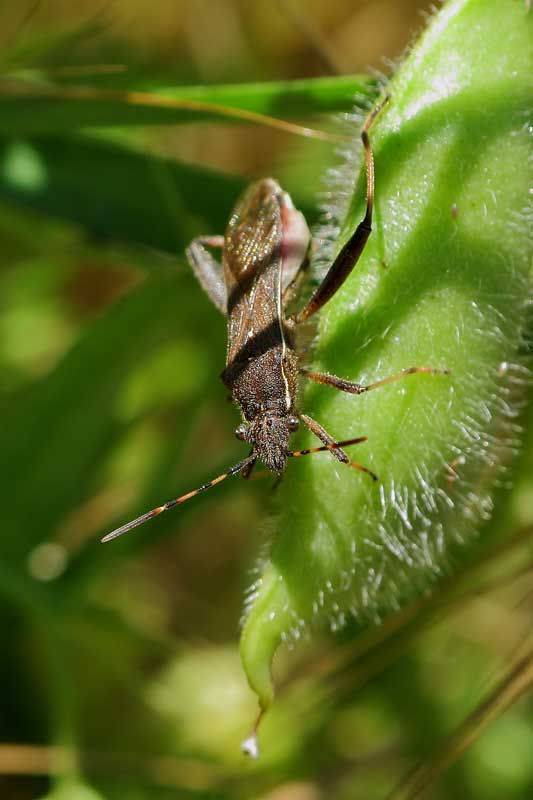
443	282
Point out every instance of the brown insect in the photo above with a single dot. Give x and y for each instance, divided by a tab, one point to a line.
264	252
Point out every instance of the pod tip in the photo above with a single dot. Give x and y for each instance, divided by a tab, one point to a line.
250	746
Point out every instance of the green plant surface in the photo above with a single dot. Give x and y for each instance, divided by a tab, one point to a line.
49	173
41	107
144	199
442	283
120	673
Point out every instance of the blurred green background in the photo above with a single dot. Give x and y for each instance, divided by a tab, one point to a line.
119	669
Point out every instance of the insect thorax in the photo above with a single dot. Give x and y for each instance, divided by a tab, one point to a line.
265	383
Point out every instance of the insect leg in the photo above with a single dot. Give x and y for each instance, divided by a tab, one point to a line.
325	438
207	269
349	254
356	388
332	445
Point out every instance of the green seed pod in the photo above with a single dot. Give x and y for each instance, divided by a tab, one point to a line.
443	283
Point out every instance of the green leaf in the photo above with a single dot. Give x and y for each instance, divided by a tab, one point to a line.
442	283
123	194
56	42
73	789
26	107
57	431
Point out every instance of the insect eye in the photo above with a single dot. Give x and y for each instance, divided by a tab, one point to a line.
293	423
241	431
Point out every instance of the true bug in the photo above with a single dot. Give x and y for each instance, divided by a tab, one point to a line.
264	250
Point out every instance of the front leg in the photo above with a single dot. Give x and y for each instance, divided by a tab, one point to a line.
333	445
207	269
322	434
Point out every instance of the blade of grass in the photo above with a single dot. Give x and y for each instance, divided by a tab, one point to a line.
518	681
56	432
34	46
126	194
38	108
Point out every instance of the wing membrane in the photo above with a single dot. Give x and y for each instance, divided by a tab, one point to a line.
252	269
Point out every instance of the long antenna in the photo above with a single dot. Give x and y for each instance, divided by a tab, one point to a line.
334	446
155	512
